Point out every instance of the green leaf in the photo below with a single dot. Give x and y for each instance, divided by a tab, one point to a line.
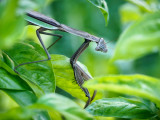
137	85
140	38
102	5
16	87
60	108
65	79
41	74
121	108
141	4
65	106
17	114
129	13
11	24
13	85
22	97
6	63
23	113
12	82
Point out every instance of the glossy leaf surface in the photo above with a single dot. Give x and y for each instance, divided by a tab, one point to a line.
121	108
64	76
41	74
17	88
137	85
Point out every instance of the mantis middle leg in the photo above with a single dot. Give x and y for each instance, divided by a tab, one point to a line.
38	32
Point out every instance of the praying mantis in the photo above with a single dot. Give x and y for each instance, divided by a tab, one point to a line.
47	23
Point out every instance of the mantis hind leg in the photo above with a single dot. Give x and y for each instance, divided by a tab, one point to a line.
79	74
38	32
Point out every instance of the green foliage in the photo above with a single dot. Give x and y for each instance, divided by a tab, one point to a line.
37	76
16	86
17	114
139	39
34	87
24	88
64	76
122	108
25	5
63	105
102	5
40	76
138	85
6	62
129	13
53	103
22	97
13	23
142	4
13	84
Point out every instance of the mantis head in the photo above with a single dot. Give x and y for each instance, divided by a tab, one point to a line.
101	46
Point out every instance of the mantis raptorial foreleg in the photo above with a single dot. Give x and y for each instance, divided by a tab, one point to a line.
81	75
38	32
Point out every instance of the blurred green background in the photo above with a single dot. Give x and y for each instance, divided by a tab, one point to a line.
81	15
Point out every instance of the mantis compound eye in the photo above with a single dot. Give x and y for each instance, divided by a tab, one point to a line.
101	46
